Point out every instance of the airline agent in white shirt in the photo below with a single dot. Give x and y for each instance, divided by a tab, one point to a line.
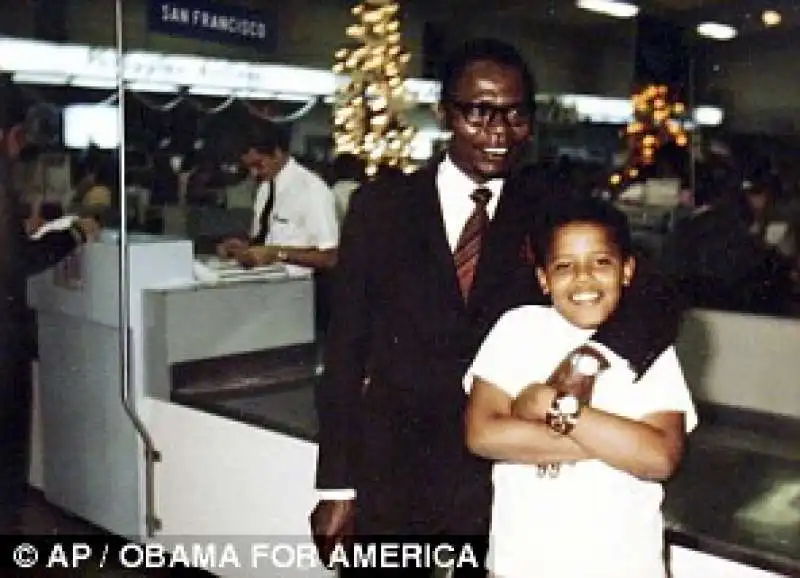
294	214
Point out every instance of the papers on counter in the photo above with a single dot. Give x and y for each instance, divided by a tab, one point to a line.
215	270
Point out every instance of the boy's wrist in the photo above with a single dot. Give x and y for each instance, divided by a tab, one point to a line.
533	402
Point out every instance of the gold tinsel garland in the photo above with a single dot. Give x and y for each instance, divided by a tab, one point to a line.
370	101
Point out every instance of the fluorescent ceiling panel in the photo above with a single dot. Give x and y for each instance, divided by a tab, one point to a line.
609	8
716	31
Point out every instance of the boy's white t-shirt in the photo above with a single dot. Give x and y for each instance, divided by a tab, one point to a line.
591	520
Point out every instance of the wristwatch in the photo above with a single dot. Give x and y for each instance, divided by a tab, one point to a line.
282	256
563	413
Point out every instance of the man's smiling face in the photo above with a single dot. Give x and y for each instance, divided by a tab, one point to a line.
489	119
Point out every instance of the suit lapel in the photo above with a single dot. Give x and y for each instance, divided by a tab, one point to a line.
499	251
435	250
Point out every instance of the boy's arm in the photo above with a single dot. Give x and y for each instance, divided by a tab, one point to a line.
493	433
650	449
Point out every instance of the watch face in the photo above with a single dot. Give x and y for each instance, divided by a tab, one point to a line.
586	364
568	404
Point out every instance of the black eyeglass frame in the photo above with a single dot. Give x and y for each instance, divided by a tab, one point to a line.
485	113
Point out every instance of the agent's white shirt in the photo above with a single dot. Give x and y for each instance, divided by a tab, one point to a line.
304	213
591	520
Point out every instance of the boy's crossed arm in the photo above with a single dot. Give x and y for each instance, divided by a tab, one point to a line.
505	428
494	432
502	428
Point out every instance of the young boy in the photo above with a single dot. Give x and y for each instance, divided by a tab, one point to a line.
599	513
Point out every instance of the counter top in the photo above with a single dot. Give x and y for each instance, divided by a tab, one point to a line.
755	521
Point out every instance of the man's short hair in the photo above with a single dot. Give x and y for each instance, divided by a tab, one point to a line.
266	137
486	49
582	209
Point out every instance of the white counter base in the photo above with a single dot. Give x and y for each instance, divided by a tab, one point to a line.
224	481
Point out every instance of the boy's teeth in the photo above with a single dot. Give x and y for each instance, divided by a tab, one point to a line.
585	296
496	150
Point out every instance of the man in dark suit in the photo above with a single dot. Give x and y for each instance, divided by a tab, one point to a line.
407	320
20	257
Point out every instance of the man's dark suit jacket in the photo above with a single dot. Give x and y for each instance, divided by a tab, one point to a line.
399	319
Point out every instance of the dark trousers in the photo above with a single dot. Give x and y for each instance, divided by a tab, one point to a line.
15	427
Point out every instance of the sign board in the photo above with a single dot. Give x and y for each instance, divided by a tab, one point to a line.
214	22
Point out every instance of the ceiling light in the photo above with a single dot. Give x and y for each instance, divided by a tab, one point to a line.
716	31
609	8
771	17
708	115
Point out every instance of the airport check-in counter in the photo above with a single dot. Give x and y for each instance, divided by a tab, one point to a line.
162	470
87	454
213	352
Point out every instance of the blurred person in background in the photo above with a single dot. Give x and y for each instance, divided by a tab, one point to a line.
96	187
772	223
768	222
714	256
22	255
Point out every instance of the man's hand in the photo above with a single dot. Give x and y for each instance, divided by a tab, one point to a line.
231	248
89	227
257	256
33	223
332	522
566	380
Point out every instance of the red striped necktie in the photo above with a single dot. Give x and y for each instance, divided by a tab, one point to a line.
468	249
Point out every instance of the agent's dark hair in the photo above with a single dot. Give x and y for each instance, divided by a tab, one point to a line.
582	210
267	137
486	49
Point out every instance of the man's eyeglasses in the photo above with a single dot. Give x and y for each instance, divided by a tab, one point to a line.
482	114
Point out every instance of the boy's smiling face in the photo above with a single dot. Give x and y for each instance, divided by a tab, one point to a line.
585	273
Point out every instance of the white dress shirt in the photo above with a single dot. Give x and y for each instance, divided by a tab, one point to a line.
304	213
454	197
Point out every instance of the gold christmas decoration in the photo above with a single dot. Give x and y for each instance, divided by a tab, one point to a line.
657	120
369	104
